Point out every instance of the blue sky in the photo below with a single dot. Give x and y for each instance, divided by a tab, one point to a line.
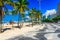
32	3
43	6
48	5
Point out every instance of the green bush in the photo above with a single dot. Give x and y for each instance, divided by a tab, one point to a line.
47	20
55	19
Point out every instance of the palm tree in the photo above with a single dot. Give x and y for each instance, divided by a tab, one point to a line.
13	12
35	14
32	15
23	15
1	14
2	5
21	6
38	15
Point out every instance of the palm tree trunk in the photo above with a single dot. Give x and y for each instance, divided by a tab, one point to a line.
12	23
18	21
1	18
22	22
19	24
29	23
32	22
38	21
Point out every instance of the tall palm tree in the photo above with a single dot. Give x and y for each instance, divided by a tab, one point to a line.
2	4
35	14
32	15
13	12
1	13
21	6
38	15
23	15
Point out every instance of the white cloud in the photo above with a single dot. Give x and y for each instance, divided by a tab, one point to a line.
27	17
49	12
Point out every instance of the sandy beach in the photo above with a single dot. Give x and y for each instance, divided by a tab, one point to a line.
16	31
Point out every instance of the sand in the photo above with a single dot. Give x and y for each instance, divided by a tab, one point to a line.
16	31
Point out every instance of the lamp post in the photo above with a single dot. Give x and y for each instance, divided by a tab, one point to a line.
39	4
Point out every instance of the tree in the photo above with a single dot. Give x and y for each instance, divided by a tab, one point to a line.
2	5
32	15
55	19
23	15
47	20
13	12
35	15
21	6
38	15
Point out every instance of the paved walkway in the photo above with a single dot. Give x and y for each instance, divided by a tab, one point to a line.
51	31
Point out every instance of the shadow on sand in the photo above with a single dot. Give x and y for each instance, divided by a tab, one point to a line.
6	29
39	36
21	38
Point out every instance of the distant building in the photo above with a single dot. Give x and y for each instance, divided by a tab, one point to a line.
58	10
43	17
49	16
